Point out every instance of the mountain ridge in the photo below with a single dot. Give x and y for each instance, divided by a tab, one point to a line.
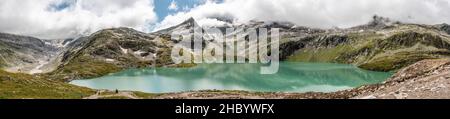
125	47
377	46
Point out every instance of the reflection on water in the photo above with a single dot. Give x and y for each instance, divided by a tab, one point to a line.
292	77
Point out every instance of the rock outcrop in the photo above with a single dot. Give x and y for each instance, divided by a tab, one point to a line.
424	79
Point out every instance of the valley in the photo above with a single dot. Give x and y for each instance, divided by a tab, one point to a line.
417	53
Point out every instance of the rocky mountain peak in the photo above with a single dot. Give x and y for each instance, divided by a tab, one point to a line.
188	24
191	21
444	27
377	22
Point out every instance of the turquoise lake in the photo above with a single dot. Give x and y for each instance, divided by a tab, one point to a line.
291	77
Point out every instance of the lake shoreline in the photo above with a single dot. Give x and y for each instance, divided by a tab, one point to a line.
419	75
293	77
424	79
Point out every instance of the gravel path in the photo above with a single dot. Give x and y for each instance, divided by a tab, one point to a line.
98	95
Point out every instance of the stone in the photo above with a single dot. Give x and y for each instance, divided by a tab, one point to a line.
369	97
400	95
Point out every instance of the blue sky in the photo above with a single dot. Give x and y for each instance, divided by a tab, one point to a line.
162	6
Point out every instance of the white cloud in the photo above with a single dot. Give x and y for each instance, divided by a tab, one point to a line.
38	18
317	13
47	19
173	6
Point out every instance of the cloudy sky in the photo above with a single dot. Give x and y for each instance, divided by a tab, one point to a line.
71	18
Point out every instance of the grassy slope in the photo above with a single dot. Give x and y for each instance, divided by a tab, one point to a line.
2	55
83	67
20	86
378	52
357	43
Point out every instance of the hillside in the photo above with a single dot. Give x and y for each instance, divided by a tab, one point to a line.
381	45
377	47
40	68
24	86
24	54
111	50
104	52
424	79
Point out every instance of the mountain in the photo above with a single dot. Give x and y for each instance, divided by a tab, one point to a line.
377	23
186	26
443	27
110	50
374	46
26	86
24	54
381	45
